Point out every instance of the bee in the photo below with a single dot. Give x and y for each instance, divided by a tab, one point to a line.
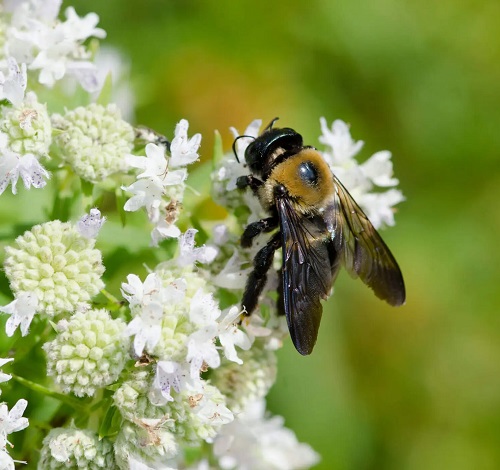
318	226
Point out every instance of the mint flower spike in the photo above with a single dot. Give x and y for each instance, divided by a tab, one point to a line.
65	448
89	352
58	264
94	140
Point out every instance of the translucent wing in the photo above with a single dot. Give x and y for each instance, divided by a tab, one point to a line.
362	251
307	273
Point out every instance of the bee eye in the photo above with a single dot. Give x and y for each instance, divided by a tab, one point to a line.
308	173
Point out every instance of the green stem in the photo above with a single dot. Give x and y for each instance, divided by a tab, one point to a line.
73	402
110	297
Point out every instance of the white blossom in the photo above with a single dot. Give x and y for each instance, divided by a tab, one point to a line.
3	376
361	180
21	310
230	335
13	86
147	302
13	166
53	47
182	149
13	421
189	254
169	375
254	441
90	224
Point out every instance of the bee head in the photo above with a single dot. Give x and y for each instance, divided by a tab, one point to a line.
262	154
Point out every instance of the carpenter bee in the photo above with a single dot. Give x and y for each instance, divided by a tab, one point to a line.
319	229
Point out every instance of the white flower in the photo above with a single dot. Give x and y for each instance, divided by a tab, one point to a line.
183	150
13	87
90	224
13	421
155	166
252	441
51	46
189	254
379	206
251	132
13	165
169	375
339	139
361	179
230	335
232	276
210	410
378	168
149	298
148	193
21	311
164	229
6	461
3	376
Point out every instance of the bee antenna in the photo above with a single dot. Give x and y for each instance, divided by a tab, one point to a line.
271	124
234	145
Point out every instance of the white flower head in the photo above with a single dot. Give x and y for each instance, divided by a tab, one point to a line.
90	224
189	254
13	86
21	310
183	150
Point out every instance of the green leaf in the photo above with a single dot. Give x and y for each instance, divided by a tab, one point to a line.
104	97
120	203
111	423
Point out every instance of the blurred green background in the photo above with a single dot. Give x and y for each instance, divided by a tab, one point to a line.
409	388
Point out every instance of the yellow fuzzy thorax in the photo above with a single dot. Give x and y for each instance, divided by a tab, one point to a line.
307	198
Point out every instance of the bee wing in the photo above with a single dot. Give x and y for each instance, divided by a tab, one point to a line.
307	273
362	251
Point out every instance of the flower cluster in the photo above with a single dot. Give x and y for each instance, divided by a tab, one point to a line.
145	355
160	185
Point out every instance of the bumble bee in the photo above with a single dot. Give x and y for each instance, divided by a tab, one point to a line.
319	229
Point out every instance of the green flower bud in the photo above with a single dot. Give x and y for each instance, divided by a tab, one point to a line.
75	448
245	383
89	352
27	126
94	141
146	439
57	263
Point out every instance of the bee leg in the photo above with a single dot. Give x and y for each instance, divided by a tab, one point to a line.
257	278
249	181
255	228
